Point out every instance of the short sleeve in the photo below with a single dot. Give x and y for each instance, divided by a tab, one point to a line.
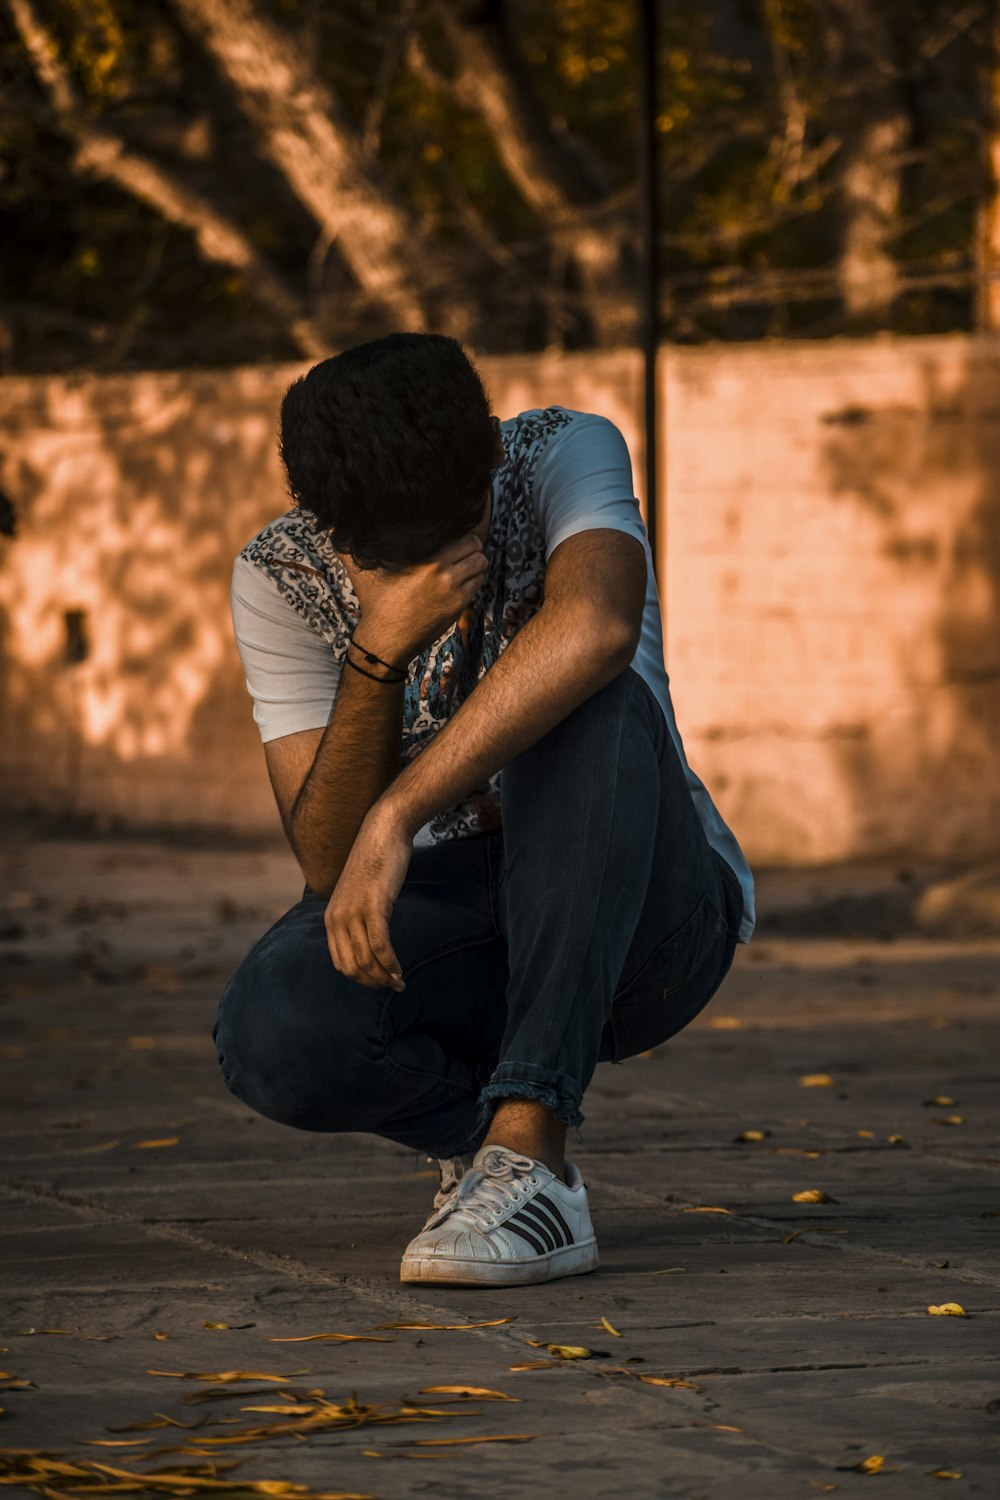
583	480
291	674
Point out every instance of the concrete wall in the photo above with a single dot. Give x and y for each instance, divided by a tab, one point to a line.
829	561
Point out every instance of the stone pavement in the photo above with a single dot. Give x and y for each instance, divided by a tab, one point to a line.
141	1203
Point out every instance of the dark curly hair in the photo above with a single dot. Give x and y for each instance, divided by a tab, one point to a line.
390	445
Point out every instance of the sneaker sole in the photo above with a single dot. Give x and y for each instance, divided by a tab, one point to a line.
572	1260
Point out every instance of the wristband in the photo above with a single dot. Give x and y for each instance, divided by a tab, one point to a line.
393	681
371	657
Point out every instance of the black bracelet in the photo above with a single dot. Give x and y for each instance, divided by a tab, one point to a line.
371	657
393	681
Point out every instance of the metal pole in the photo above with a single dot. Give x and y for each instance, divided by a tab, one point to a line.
649	318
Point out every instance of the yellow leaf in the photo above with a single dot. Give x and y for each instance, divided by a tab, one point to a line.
897	1140
536	1364
229	1326
11	1384
335	1338
706	1210
491	1323
752	1135
167	1140
117	1442
942	1101
466	1390
723	1427
569	1351
513	1437
286	1410
948	1310
613	1331
812	1195
945	1473
816	1081
225	1376
160	1337
92	1150
872	1465
868	1135
687	1385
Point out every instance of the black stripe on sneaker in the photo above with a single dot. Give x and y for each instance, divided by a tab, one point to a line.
559	1218
546	1225
540	1226
526	1234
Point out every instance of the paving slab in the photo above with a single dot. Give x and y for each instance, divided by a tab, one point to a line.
757	1344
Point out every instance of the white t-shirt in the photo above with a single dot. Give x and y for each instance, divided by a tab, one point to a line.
294	608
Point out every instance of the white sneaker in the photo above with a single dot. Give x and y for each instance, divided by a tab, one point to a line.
509	1221
452	1170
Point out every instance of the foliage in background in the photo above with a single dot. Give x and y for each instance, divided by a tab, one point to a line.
823	171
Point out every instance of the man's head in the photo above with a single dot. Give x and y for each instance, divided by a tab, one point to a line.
391	445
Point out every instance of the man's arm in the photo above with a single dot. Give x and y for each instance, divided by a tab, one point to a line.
583	637
325	781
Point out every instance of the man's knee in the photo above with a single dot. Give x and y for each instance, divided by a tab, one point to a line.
299	1055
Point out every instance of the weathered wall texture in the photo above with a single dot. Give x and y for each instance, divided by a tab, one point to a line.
829	550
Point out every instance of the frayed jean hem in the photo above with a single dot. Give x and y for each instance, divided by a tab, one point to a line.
554	1090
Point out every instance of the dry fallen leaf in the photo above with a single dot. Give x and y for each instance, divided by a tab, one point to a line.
706	1210
225	1376
334	1338
160	1337
536	1364
117	1442
229	1326
945	1473
570	1351
492	1323
751	1135
812	1195
816	1081
947	1120
898	1140
24	1333
872	1465
948	1310
613	1331
940	1101
448	1442
482	1391
867	1135
687	1385
167	1140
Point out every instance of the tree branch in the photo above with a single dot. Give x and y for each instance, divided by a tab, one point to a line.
102	153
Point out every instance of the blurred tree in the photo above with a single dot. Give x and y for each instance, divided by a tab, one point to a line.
191	181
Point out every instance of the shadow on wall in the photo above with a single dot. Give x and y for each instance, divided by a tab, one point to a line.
114	597
927	473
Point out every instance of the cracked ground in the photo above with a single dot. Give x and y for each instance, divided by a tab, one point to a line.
759	1343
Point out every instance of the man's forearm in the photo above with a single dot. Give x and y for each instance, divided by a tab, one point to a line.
559	659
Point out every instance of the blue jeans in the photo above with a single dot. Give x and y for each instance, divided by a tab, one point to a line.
596	924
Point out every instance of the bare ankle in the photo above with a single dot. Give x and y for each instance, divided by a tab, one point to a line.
526	1126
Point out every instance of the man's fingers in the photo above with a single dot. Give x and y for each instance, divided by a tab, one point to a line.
357	957
381	948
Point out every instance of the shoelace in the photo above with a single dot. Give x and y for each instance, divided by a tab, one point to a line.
490	1190
453	1169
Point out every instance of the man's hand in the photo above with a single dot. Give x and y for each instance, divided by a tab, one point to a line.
358	912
